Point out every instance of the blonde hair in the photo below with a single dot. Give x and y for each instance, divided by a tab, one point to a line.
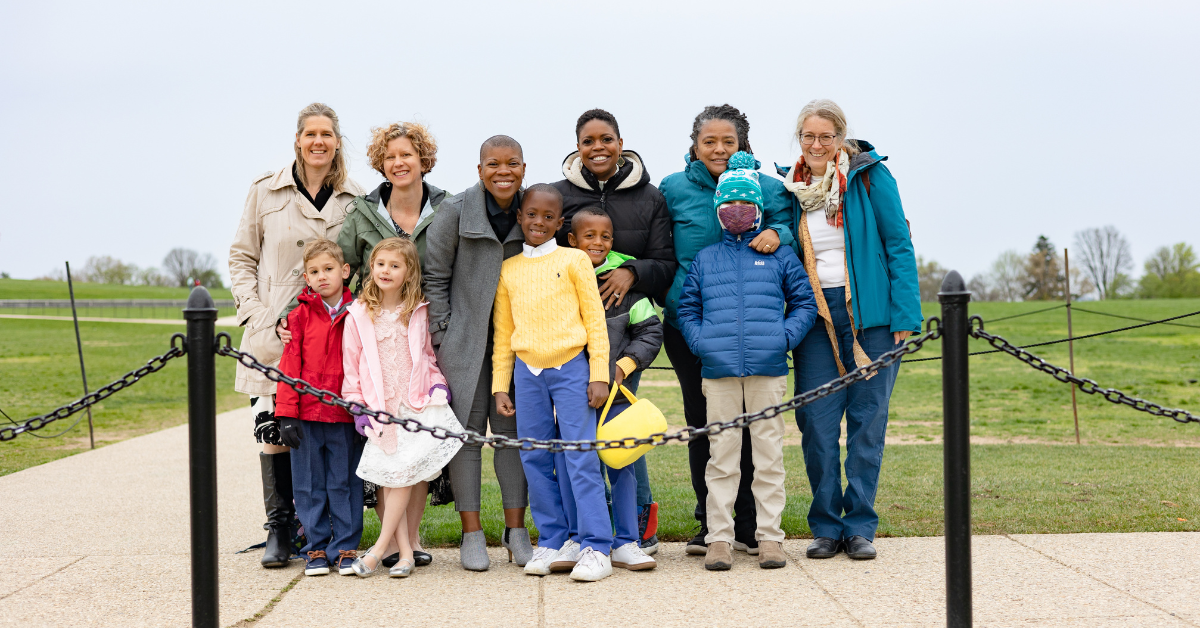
338	173
422	140
828	110
321	246
411	295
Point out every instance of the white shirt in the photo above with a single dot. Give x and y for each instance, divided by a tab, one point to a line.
333	310
544	248
829	247
426	211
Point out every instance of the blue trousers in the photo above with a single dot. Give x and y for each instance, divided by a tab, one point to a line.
835	513
562	391
624	494
328	492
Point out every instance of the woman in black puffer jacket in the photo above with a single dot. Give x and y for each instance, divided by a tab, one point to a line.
601	174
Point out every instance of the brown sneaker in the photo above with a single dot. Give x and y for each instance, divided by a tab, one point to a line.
718	557
770	555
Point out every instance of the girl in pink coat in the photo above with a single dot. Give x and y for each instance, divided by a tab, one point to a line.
389	364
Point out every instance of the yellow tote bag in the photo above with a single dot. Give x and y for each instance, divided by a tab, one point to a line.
641	419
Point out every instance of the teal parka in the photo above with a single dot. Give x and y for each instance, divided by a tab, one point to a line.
365	227
689	196
879	250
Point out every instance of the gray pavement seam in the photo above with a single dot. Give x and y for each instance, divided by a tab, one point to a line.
1113	587
817	583
12	593
266	610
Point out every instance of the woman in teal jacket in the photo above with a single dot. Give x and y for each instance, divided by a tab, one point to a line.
855	244
717	133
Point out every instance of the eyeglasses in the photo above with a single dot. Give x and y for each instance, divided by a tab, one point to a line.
808	138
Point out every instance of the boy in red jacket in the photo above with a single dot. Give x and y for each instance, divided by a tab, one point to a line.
325	446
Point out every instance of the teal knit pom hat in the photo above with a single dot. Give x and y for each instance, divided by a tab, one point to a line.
739	182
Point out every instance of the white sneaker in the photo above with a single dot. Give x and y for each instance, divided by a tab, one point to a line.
592	566
567	557
630	556
539	565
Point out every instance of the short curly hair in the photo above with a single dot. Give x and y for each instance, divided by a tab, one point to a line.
421	139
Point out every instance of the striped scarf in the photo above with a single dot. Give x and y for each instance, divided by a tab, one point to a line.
814	195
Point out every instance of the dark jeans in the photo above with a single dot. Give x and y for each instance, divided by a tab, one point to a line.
695	412
836	513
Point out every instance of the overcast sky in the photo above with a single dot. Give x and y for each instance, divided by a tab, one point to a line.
137	127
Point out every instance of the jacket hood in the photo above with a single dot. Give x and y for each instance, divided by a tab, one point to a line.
613	261
866	157
309	296
579	176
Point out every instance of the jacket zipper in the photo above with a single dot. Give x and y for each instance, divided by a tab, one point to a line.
737	257
603	196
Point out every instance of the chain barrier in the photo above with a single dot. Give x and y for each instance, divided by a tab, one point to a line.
1084	384
153	365
933	331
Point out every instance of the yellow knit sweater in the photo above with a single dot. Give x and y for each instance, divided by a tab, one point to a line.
547	310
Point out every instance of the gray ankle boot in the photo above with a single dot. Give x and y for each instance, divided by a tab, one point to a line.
516	541
473	552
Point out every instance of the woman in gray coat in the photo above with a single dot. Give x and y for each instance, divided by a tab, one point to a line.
471	236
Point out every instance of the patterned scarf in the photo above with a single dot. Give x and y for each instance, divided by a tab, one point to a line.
822	193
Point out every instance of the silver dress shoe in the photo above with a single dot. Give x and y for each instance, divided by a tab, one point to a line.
402	569
360	568
473	552
516	541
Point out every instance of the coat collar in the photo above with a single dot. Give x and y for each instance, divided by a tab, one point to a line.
637	176
284	178
865	158
310	297
698	173
473	218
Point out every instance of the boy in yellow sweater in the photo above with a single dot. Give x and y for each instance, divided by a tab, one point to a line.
547	311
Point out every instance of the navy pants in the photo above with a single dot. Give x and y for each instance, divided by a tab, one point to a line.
328	492
562	392
835	513
625	492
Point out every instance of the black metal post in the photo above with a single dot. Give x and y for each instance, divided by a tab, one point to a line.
201	317
79	344
956	451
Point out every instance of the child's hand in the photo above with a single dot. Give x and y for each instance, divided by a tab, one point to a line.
504	404
597	394
618	377
281	330
438	397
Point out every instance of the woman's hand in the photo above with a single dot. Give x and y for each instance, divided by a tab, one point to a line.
617	283
281	330
766	242
597	394
504	404
900	336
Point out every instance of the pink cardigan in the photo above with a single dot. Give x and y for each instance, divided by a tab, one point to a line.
360	361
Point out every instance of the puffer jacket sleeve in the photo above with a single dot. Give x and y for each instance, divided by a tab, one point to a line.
655	267
441	247
645	336
287	400
801	304
691	309
903	288
244	255
778	214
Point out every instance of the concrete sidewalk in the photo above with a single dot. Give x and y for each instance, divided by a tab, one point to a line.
101	539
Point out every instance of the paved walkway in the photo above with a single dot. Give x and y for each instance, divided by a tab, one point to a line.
101	539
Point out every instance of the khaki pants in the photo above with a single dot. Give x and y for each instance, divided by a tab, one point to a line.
725	400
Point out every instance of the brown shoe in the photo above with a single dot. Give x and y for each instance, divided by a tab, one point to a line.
718	557
770	555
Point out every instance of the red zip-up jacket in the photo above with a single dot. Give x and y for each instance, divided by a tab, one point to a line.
315	356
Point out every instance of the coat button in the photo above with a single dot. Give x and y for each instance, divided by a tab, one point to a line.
295	272
300	243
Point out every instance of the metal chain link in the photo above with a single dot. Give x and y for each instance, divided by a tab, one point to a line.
153	365
1086	385
933	331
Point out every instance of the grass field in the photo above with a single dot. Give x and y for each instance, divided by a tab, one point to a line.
33	289
1130	465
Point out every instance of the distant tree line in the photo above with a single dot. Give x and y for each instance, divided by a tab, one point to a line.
1101	264
180	268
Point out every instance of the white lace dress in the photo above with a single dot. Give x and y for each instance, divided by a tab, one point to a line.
417	456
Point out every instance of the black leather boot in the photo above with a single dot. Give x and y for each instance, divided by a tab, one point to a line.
277	499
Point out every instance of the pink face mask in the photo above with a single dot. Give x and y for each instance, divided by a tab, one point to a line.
738	219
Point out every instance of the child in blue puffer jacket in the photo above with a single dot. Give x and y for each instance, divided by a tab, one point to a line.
741	312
